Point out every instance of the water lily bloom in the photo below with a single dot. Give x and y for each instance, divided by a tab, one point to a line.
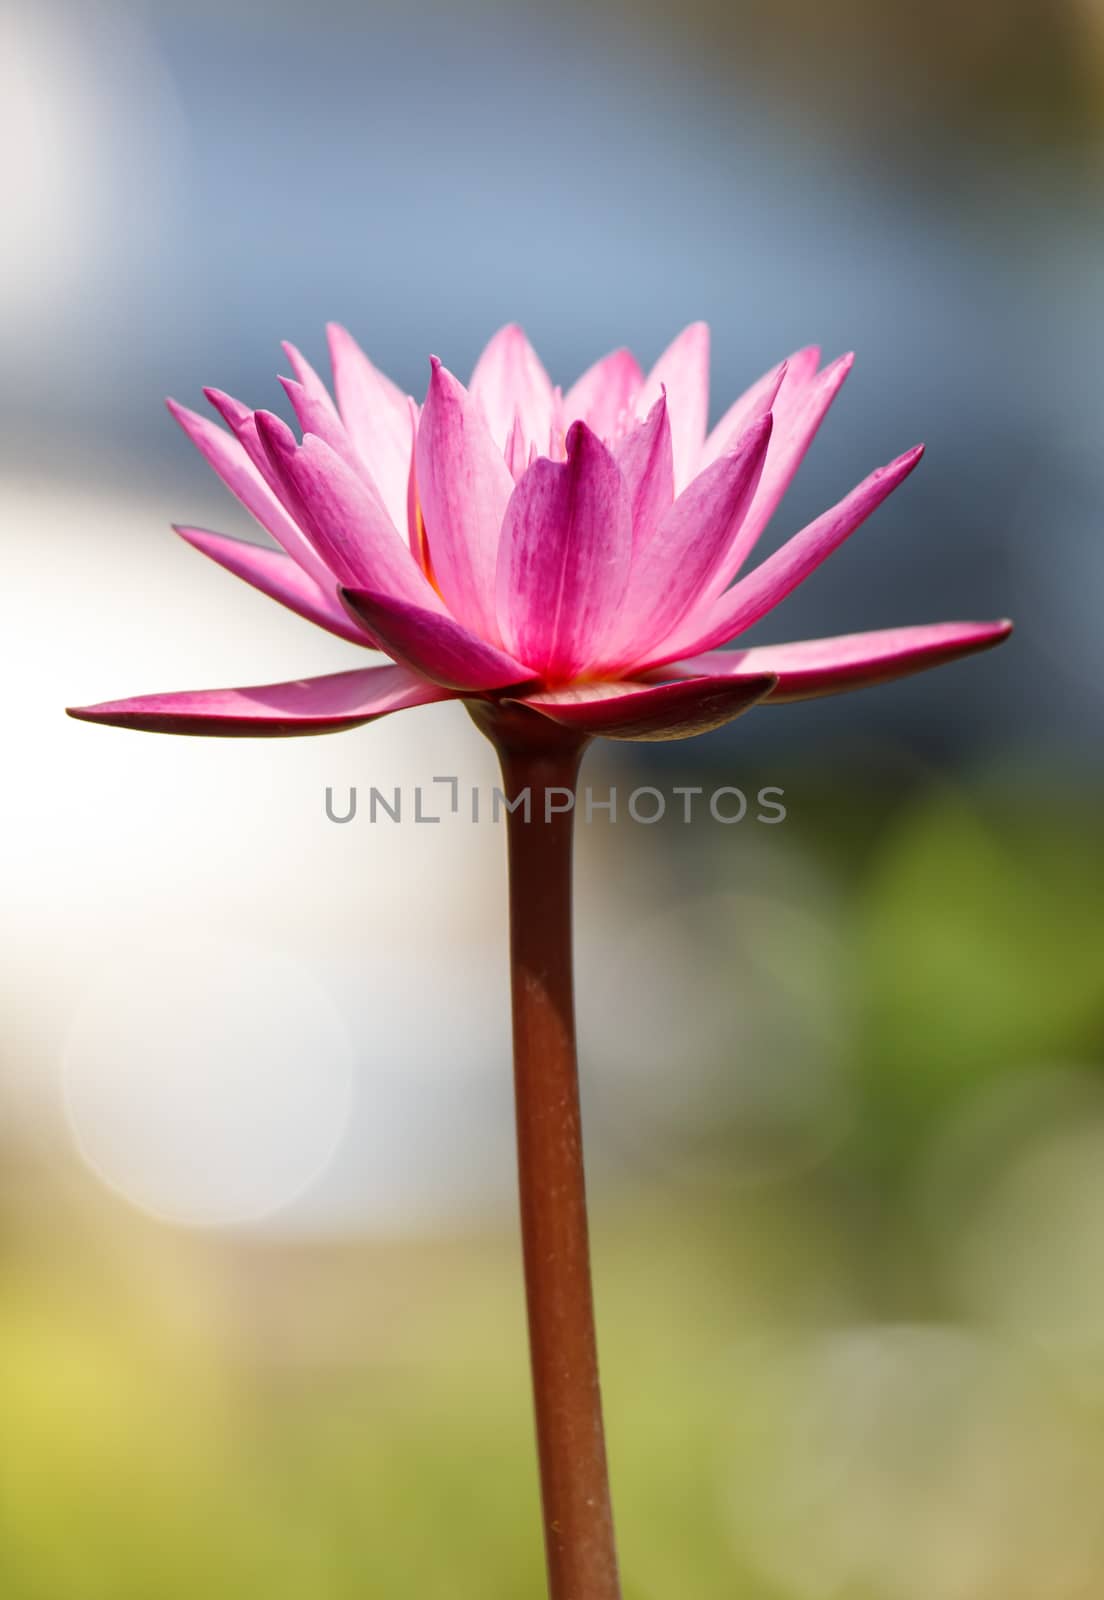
567	564
581	554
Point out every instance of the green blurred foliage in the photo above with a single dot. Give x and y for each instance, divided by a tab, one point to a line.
980	948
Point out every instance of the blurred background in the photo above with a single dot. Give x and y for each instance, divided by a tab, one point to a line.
261	1323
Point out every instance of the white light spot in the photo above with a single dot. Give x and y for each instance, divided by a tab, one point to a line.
207	1083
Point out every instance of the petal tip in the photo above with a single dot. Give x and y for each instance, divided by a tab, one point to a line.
581	441
182	415
836	371
341	345
900	467
357	601
104	711
444	386
233	412
274	433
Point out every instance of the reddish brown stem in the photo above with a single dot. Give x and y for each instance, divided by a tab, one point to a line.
578	1521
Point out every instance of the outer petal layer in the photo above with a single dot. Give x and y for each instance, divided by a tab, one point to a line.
651	711
271	710
343	516
281	578
228	455
564	558
434	645
799	410
815	667
773	579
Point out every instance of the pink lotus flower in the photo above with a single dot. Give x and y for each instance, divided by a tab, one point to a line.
568	565
579	554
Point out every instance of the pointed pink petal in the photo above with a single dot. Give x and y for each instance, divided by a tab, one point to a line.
342	516
510	381
309	380
242	422
434	645
798	413
647	466
817	667
275	574
319	417
229	458
316	414
773	579
564	559
795	372
377	415
683	370
464	485
674	567
651	711
605	395
271	710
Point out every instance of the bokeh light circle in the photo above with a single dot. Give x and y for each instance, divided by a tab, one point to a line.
207	1082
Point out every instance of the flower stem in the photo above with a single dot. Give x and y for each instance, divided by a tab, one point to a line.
578	1519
